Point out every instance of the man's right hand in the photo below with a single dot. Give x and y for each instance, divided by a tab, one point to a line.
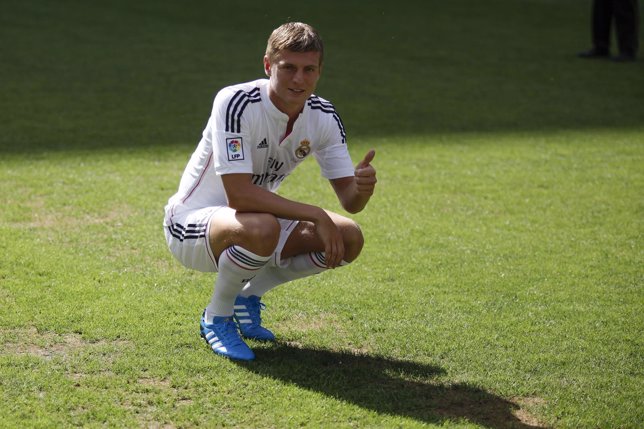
332	239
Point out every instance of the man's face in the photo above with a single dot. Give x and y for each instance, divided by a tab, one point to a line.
293	78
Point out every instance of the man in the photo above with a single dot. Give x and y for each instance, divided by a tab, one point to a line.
625	13
226	216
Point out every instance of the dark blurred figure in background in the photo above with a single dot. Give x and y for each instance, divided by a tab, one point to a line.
626	15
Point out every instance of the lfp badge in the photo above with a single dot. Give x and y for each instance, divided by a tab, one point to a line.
235	149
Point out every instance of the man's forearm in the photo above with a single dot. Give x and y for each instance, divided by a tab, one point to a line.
247	197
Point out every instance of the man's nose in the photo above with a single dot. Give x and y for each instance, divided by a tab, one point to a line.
298	76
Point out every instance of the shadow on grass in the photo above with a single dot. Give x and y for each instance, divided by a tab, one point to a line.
386	386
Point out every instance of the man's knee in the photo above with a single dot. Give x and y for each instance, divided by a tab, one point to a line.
256	232
353	240
262	233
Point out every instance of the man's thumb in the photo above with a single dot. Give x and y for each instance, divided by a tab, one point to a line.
367	159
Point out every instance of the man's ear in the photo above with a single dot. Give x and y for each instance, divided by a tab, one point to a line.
267	66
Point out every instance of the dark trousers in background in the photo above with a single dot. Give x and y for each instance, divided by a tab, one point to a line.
626	16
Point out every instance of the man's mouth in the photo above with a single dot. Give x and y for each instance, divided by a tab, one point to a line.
298	91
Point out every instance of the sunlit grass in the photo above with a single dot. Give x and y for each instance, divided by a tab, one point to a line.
505	263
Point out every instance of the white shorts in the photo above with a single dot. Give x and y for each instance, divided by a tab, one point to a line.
187	237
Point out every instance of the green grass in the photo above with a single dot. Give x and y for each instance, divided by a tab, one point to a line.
501	282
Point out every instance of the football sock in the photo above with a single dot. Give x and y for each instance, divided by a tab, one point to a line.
237	266
298	267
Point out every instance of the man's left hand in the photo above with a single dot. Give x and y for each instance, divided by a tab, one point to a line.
365	174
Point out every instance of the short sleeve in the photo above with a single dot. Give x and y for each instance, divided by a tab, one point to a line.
229	122
333	155
335	161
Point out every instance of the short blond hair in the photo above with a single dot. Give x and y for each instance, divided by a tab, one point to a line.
296	37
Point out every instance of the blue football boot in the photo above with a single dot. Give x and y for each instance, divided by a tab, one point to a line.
223	338
249	319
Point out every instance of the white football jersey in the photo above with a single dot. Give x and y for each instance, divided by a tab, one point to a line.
245	134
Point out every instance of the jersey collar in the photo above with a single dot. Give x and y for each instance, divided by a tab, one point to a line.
268	104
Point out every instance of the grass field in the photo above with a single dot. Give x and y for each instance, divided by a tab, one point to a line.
501	285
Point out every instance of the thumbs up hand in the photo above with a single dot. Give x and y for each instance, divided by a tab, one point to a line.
365	174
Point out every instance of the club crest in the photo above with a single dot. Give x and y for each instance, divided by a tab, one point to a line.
303	150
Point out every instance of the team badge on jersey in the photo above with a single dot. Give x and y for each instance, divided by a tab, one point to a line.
303	150
235	149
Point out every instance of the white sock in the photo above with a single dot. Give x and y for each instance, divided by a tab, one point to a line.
299	266
237	266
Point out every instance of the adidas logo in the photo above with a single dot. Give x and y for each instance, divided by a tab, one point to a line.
263	144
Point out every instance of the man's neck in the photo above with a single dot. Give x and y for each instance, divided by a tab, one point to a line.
292	111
